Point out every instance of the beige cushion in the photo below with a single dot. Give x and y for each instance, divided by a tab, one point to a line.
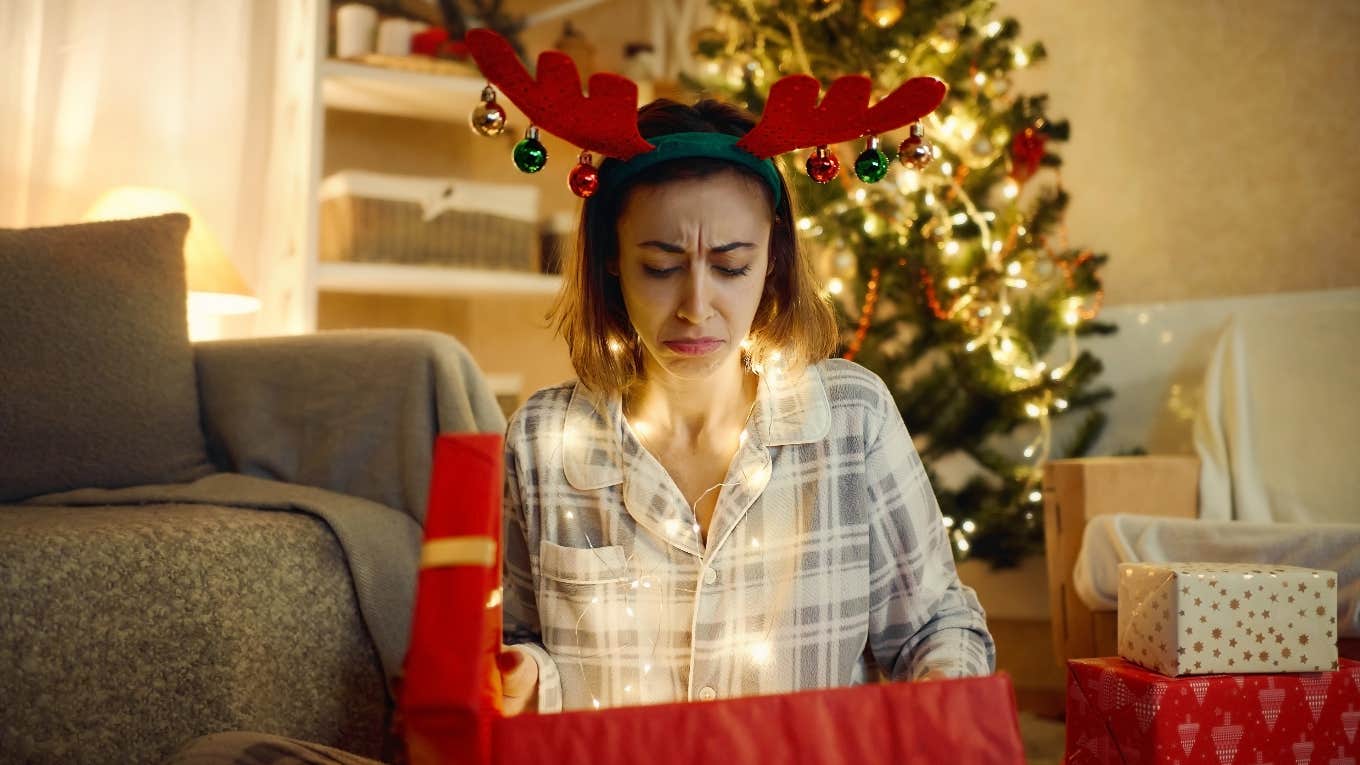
1279	433
96	368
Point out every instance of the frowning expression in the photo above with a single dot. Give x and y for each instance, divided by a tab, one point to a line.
693	258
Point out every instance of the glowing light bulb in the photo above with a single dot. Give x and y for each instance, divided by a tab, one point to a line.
1033	410
860	195
1035	496
948	522
760	652
1060	403
969	527
929	199
1013	268
960	219
570	515
804	224
993	29
615	346
979	79
947	168
953	282
1029	452
1021	58
1011	189
835	286
962	545
951	247
596	702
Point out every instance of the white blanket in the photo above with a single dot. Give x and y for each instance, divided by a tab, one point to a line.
1113	539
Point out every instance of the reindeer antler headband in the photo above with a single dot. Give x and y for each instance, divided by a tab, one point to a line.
605	121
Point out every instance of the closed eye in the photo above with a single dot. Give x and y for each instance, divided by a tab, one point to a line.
661	273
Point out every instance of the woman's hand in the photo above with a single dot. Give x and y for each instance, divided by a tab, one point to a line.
519	683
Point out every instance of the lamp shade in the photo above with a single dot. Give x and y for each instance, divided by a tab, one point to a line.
215	286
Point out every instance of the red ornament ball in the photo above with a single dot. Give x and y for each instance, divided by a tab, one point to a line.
584	180
1027	151
822	166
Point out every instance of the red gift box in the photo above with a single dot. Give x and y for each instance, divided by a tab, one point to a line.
1118	712
449	700
450	689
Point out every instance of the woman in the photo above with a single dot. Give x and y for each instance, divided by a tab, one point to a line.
714	509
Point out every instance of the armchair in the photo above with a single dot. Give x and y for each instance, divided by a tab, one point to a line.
1274	480
201	538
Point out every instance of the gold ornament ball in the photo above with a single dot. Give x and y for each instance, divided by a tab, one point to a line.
708	42
883	13
946	38
488	119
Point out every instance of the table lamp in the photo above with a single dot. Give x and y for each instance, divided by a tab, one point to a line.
215	287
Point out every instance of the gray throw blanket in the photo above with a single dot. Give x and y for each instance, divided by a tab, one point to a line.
343	425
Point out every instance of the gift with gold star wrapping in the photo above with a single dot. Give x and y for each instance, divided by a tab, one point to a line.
1205	618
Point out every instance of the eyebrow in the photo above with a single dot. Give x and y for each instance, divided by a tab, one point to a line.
677	249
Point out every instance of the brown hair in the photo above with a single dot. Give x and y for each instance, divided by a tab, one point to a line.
793	318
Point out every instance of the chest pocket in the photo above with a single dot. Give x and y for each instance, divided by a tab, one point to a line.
584	600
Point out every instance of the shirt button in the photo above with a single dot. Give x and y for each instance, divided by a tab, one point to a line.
710	576
707	693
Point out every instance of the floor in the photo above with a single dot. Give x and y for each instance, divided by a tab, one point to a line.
1043	739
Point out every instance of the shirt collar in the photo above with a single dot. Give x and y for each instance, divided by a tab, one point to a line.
789	410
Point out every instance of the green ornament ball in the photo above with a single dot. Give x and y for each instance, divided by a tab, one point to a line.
871	165
530	156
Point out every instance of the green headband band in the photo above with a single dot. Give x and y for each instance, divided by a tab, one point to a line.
615	174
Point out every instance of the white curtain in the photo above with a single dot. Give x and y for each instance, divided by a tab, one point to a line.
180	95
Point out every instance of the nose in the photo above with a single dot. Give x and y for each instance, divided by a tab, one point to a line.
696	304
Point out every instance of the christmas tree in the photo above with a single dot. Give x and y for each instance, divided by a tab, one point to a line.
952	273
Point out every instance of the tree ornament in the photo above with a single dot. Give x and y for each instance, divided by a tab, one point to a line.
530	156
872	164
946	37
997	86
1027	151
708	42
488	118
883	13
982	151
823	166
916	152
585	178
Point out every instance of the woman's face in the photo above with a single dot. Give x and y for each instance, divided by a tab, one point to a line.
693	258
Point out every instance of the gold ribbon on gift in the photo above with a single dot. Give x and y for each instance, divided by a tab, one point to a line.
458	551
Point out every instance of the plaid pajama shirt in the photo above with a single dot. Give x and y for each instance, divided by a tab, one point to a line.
825	560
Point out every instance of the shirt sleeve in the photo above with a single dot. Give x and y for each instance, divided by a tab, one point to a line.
521	632
922	619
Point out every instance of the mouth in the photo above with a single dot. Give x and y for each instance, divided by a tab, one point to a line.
699	346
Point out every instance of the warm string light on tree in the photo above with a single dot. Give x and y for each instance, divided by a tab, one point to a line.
953	273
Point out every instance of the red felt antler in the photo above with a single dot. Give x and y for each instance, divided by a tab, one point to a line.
793	120
604	121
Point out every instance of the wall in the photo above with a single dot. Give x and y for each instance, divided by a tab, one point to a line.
1212	149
